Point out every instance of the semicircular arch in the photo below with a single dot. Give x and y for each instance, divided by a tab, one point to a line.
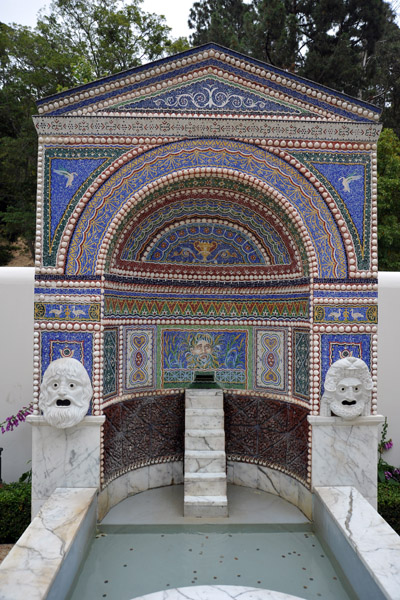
238	224
243	161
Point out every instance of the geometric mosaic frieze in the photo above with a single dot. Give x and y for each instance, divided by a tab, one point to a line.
271	359
185	351
201	305
139	358
268	432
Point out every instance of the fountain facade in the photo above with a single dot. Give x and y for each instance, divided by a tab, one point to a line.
206	212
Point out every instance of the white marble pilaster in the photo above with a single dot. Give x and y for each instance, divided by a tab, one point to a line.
65	458
345	453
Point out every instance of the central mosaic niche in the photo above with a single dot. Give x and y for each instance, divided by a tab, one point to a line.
206	212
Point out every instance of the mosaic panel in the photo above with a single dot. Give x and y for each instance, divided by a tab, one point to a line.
206	243
68	173
62	344
334	347
139	356
348	179
143	431
346	313
185	351
267	432
110	363
271	359
101	209
50	311
301	354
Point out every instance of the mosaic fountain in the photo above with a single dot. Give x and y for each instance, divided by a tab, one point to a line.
208	212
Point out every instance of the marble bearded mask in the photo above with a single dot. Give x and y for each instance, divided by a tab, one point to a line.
65	393
348	386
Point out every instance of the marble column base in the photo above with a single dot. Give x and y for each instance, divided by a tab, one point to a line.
67	458
344	453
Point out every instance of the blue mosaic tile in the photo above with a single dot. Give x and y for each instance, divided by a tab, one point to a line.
337	346
67	344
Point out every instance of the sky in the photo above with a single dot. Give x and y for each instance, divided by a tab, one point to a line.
176	12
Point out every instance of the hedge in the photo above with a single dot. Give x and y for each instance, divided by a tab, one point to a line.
389	504
15	510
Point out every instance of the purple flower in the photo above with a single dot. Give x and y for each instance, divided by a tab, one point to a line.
388	445
388	475
11	422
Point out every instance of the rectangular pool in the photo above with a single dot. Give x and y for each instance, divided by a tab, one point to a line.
132	560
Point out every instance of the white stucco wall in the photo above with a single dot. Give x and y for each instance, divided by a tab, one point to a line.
16	352
389	358
16	363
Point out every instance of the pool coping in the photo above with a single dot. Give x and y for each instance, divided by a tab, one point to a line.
46	558
365	546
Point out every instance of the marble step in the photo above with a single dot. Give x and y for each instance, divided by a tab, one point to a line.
207	418
206	506
204	484
198	399
204	439
206	461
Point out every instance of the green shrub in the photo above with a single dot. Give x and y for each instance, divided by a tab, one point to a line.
15	510
389	504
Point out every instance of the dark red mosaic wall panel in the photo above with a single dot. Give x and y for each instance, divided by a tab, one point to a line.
267	432
143	431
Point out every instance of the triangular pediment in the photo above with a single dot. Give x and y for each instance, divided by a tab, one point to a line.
210	94
209	80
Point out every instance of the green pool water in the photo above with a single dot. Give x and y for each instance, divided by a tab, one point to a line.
129	561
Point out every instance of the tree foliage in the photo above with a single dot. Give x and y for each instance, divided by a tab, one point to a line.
331	42
389	201
78	41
